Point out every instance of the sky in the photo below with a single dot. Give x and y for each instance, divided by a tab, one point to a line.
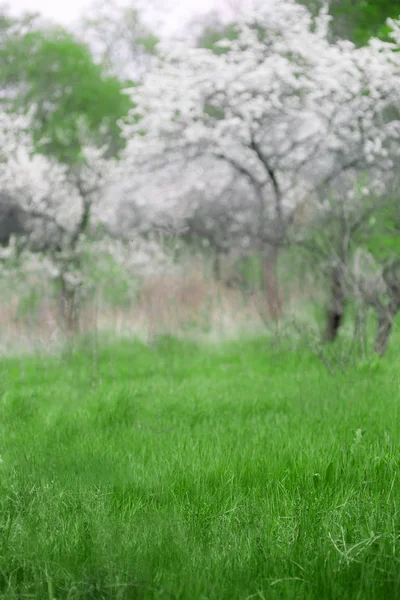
172	12
63	11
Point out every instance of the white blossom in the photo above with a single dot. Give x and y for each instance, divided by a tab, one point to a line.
287	109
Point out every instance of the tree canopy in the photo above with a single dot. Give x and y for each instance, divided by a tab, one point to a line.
52	75
350	19
358	21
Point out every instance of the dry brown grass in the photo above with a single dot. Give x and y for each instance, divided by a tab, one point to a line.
167	304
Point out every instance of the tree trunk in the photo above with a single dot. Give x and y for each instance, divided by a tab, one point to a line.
385	325
386	316
271	286
69	308
336	307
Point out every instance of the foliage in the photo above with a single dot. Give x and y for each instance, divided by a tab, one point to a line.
358	21
104	272
382	238
52	75
211	37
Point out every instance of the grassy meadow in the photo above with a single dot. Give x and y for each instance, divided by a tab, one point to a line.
193	471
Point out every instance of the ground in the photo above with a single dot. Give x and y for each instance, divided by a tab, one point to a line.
175	470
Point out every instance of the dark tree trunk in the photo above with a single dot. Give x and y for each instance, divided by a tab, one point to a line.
385	326
69	308
386	316
335	313
271	285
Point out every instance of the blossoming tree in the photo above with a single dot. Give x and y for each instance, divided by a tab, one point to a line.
54	203
293	114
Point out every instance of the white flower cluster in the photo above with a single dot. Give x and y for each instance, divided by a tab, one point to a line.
282	106
40	185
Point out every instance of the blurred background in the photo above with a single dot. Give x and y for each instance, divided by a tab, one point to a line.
162	170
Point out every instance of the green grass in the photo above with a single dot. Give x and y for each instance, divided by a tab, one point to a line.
183	471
